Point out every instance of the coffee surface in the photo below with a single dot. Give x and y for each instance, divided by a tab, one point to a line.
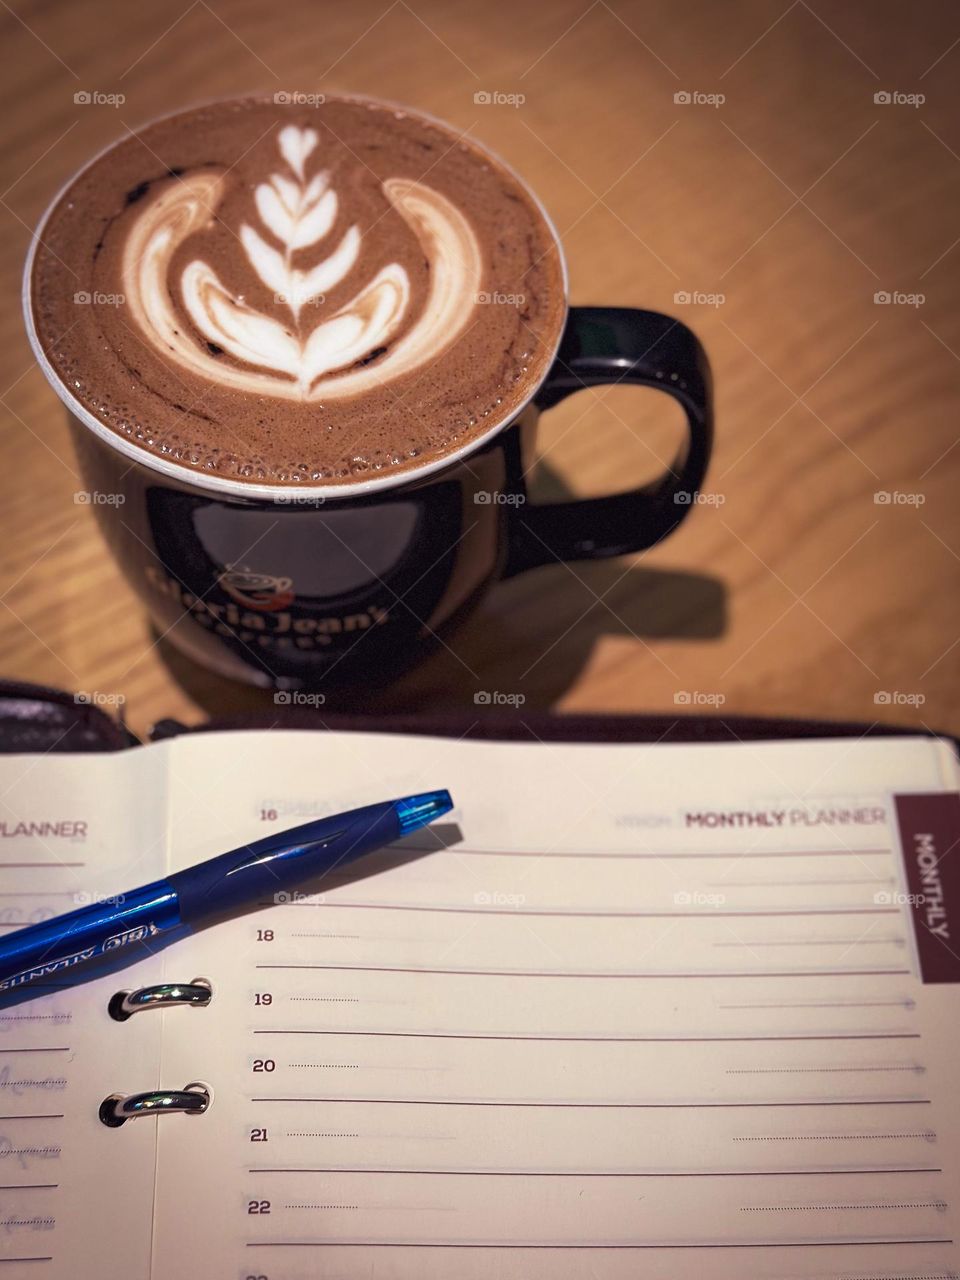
281	293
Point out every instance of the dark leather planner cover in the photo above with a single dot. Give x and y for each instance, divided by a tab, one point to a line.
36	719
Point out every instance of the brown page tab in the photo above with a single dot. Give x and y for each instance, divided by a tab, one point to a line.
930	837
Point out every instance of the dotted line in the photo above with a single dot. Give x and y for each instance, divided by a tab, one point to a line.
352	937
775	1071
330	999
323	1135
55	1081
801	1208
831	1137
329	1066
322	1206
29	1151
36	1017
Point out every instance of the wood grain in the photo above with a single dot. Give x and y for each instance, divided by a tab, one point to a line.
797	199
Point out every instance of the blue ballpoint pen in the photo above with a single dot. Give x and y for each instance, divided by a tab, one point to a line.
230	881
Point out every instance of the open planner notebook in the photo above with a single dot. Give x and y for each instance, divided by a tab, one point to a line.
656	1011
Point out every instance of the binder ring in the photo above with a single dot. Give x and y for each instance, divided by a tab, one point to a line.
124	1004
193	1099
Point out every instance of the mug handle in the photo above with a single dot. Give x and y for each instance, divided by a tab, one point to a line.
605	346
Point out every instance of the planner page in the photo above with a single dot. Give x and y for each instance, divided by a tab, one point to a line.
659	1011
76	1198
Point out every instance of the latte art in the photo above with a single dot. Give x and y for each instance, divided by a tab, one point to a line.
298	213
339	256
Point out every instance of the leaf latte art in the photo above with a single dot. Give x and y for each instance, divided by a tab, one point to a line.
298	213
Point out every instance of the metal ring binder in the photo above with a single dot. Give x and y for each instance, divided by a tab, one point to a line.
193	1099
124	1004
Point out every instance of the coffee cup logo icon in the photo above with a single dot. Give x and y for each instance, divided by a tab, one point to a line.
263	592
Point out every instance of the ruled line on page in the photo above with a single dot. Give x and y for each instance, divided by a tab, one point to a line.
733	854
779	883
867	940
604	1173
52	1115
546	973
907	1003
612	914
45	1049
8	866
612	1106
499	1244
536	1038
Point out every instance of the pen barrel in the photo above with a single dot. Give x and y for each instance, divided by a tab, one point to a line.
259	873
48	951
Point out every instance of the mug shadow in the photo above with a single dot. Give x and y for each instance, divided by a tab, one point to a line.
532	635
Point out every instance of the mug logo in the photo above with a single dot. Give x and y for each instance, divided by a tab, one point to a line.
263	592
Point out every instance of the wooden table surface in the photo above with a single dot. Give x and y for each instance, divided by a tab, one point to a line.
781	206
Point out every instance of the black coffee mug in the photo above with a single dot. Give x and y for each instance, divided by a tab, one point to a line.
292	590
